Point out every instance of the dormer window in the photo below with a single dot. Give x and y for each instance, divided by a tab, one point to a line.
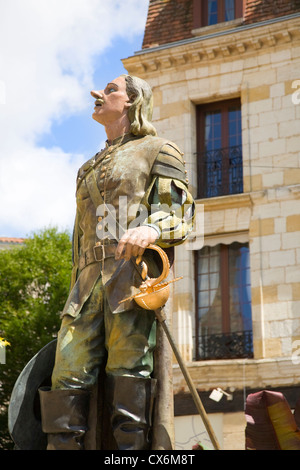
212	12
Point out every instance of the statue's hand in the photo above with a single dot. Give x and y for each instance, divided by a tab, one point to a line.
135	241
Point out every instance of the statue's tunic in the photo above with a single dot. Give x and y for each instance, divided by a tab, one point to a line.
138	172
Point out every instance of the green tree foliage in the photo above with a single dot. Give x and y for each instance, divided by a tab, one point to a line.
34	284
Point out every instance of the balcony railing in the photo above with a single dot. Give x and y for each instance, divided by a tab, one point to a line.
220	172
226	346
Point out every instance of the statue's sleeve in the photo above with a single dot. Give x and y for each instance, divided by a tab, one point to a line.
170	204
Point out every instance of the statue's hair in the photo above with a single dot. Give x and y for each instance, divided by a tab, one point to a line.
140	112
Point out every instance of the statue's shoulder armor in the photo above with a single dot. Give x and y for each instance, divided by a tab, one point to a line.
169	162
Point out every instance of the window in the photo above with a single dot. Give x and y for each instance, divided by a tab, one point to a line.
223	305
210	12
219	149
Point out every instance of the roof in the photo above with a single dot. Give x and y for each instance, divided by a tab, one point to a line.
11	241
168	21
260	10
173	20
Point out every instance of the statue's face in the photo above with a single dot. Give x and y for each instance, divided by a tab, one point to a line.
111	103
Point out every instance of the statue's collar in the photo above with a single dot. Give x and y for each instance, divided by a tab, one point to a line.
122	139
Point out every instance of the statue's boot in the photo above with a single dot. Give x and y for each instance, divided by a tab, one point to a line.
64	417
130	401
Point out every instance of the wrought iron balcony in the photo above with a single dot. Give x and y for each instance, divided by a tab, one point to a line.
226	346
220	172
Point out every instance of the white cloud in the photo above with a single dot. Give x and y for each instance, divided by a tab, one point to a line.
48	52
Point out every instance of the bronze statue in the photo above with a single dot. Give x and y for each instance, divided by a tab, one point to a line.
139	178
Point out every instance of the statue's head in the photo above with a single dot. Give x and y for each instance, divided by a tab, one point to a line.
140	111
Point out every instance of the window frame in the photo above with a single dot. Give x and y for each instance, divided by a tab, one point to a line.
225	299
224	107
200	12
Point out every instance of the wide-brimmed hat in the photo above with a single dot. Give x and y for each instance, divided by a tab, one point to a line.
24	416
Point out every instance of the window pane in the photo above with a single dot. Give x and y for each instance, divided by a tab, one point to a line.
213	130
212	12
235	164
204	264
240	292
213	158
214	297
209	291
229	10
204	300
235	128
204	282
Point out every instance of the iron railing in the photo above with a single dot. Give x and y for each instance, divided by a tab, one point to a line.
220	172
226	345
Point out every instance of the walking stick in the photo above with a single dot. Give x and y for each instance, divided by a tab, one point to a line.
153	296
162	320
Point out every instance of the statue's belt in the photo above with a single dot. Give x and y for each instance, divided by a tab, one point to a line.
97	254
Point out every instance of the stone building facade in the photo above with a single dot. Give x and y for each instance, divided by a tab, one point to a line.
226	83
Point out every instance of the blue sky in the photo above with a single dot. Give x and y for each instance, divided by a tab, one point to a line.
79	133
51	55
